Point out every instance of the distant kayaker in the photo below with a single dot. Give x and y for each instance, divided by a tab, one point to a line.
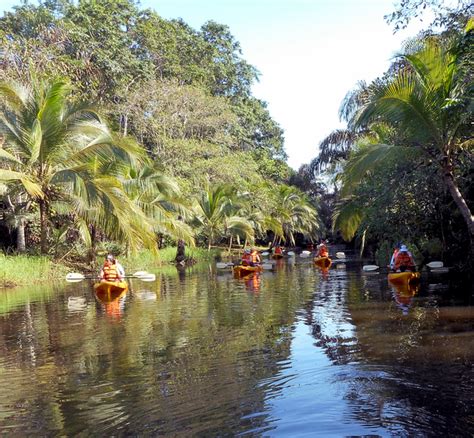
278	250
404	260
255	257
112	270
246	258
322	250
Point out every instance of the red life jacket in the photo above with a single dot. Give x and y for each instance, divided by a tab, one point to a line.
403	259
278	250
110	272
323	251
246	258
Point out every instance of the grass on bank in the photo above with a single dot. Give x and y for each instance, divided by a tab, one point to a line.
27	269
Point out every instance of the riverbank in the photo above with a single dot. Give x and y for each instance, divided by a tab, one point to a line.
20	270
23	270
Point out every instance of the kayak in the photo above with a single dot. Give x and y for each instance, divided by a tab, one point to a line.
277	256
322	262
403	278
245	270
110	287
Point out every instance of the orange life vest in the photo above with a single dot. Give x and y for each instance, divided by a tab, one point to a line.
110	272
255	257
403	259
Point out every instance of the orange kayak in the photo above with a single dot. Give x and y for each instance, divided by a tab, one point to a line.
110	287
245	270
322	262
404	278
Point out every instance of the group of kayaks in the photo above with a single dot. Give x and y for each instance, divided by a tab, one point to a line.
406	279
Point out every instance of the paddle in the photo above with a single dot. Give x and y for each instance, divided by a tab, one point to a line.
340	255
291	253
74	277
266	253
368	268
435	265
443	270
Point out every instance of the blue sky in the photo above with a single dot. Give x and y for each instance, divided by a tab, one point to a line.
310	53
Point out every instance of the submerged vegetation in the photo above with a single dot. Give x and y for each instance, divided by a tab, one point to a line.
122	131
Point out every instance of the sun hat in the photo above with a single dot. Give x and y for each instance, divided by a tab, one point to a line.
247	251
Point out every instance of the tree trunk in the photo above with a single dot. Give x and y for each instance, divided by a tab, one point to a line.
460	202
43	226
92	249
20	236
210	241
230	244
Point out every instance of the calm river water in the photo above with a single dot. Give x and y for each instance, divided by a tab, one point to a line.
293	352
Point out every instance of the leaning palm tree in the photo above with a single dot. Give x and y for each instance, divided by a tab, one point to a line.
429	104
49	142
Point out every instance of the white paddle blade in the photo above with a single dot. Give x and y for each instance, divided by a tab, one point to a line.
435	265
306	252
140	273
291	253
265	254
74	276
368	268
340	255
222	265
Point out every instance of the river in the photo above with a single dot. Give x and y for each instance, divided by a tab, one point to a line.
294	352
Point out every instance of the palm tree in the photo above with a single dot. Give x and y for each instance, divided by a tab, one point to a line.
50	143
428	102
295	214
217	212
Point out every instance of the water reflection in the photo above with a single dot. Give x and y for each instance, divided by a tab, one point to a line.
290	351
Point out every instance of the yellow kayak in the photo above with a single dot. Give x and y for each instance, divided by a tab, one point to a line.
322	262
245	270
110	287
403	278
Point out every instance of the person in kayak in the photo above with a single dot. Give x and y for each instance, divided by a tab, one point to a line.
278	250
322	250
246	258
112	270
255	257
404	260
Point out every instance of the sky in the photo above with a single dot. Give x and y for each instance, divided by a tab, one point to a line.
309	53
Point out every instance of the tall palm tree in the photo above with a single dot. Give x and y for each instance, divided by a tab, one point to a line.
428	102
49	142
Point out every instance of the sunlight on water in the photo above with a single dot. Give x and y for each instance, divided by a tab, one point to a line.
292	352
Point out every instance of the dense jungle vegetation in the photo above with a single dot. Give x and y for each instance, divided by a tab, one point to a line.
121	130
